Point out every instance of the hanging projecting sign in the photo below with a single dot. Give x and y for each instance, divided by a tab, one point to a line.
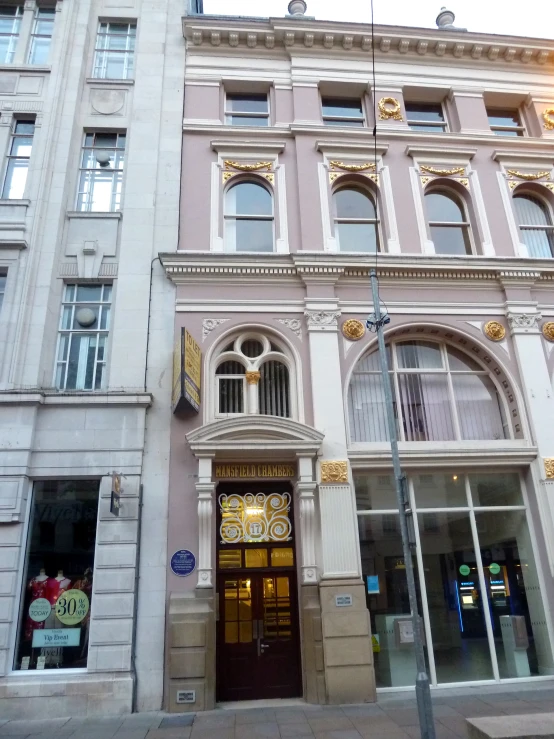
187	366
183	563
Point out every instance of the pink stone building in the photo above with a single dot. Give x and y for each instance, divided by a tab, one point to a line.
281	483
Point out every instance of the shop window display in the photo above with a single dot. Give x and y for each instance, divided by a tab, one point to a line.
55	605
478	581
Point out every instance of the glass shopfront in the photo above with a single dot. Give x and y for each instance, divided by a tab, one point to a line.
478	584
55	607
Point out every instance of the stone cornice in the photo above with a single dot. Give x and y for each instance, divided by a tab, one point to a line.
362	138
507	453
354	39
58	398
184	267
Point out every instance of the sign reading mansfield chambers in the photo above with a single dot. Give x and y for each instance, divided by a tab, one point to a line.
251	471
187	365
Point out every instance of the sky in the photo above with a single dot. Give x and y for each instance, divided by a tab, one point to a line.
533	18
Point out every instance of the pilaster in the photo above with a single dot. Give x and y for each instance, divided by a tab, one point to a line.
205	489
523	320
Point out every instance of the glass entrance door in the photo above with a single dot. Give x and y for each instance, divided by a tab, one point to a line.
258	655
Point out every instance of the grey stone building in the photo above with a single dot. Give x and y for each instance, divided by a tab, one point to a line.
91	96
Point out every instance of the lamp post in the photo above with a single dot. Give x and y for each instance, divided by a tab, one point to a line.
423	691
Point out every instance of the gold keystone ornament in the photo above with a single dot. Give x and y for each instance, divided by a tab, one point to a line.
494	331
353	329
548	331
389	108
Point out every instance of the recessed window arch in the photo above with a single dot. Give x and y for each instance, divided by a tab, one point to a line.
448	221
249	219
356	219
440	394
535	225
253	376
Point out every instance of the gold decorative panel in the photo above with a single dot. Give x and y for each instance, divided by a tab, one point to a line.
353	329
548	118
549	467
494	331
332	472
442	172
335	164
389	108
248	167
530	176
255	517
548	331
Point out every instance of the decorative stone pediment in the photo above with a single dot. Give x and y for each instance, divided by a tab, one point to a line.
255	436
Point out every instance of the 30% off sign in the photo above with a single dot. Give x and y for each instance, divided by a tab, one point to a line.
72	607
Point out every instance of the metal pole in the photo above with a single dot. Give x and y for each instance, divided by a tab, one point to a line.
423	691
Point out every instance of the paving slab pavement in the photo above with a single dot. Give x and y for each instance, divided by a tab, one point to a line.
394	716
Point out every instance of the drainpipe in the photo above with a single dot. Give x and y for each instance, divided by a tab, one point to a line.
135	605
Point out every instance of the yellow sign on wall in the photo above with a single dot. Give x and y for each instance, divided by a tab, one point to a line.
279	470
187	372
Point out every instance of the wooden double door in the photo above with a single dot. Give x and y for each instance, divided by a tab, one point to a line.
258	649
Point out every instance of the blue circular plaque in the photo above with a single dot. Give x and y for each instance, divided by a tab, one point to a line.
183	562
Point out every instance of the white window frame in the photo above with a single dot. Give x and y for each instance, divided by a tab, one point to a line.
267	151
522	133
331	120
87	174
416	124
15	33
282	354
465	224
243	114
102	53
10	157
237	182
37	20
548	228
348	185
446	371
61	365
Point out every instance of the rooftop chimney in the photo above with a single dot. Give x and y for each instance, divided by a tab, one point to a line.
297	8
445	21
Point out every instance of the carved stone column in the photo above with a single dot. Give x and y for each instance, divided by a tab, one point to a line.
252	380
205	489
305	490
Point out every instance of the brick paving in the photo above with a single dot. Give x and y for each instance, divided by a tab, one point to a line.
394	716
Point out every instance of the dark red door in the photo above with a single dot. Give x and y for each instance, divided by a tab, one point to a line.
258	640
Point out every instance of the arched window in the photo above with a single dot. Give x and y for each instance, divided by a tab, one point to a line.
248	218
252	376
356	222
448	223
535	225
440	394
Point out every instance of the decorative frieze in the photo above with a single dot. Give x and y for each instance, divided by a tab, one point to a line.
208	325
442	172
333	472
294	324
549	467
322	319
529	176
524	322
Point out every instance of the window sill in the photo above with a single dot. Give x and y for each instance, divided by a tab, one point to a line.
114	83
5	202
118	215
24	68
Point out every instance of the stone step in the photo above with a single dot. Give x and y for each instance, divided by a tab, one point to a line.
527	726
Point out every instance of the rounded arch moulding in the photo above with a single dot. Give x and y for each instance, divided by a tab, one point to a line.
255	436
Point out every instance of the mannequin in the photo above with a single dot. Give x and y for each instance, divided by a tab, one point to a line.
37	587
56	586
